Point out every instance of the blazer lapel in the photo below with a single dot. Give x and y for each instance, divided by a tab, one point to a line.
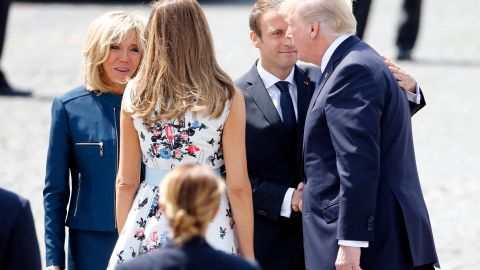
330	68
305	89
256	89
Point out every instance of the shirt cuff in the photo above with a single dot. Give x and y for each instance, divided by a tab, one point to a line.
414	97
286	209
349	243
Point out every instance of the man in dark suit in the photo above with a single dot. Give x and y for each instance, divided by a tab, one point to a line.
407	31
277	94
273	152
362	188
18	240
5	88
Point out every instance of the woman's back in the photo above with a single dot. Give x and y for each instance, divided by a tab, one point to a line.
189	139
166	145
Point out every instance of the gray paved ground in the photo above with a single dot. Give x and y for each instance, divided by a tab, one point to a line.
43	52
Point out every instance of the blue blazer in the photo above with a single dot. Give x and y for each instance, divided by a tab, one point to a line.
362	181
84	145
273	167
196	254
18	240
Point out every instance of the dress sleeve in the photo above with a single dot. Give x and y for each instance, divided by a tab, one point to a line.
127	97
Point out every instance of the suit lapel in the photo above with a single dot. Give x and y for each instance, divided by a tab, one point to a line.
305	89
330	68
256	89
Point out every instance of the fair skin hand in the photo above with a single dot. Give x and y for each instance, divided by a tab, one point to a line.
122	62
348	258
238	185
297	198
128	170
404	79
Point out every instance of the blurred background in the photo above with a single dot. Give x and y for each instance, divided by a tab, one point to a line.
42	54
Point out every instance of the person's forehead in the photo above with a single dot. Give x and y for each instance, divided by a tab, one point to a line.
271	18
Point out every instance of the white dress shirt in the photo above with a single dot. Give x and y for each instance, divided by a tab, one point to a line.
269	80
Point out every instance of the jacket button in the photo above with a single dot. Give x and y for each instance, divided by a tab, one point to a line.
261	212
371	219
370	228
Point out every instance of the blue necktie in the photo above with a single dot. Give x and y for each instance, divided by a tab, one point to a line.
288	113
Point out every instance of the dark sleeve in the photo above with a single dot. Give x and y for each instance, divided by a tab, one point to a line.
57	187
414	107
23	245
353	112
267	197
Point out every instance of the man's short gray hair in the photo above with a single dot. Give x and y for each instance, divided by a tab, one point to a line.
334	16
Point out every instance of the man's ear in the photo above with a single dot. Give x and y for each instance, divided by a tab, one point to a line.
255	39
314	30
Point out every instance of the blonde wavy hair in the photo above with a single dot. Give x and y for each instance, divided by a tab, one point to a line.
110	28
189	197
334	16
179	71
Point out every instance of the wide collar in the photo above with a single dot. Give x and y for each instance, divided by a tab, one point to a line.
331	49
269	79
257	90
332	63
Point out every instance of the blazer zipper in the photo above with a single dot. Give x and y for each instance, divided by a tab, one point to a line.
116	168
79	182
100	145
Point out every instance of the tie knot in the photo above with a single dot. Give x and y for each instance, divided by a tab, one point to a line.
282	86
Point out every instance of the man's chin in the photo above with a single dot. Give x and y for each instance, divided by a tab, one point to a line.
304	59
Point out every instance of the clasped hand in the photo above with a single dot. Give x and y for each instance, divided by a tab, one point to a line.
297	198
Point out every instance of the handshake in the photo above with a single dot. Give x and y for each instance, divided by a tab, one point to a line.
297	198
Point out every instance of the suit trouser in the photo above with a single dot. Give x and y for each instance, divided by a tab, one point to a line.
409	22
361	8
4	7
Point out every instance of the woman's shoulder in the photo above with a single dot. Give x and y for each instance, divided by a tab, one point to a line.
75	93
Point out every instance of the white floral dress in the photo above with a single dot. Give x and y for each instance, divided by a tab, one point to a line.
164	146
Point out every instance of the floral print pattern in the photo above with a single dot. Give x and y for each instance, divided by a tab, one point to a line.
146	229
165	145
174	139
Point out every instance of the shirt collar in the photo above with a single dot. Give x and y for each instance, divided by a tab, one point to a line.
269	79
329	52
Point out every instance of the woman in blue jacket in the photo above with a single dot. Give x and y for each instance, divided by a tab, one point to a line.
84	142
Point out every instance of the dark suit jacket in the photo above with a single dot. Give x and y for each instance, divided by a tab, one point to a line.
196	254
362	181
273	167
18	240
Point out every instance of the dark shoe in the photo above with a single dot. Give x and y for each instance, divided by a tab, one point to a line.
404	55
10	92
